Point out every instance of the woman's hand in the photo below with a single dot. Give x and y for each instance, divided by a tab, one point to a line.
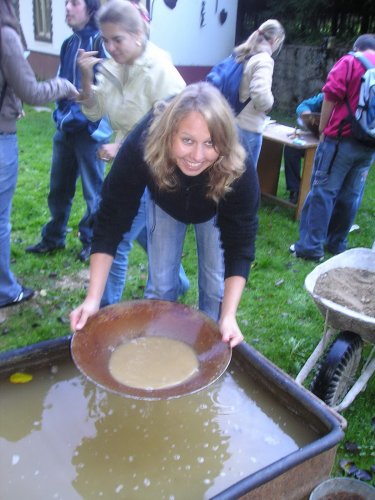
230	330
233	288
87	61
100	264
108	151
80	315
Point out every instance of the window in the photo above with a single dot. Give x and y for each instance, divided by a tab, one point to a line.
43	20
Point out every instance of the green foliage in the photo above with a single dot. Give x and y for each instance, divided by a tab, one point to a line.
310	21
276	314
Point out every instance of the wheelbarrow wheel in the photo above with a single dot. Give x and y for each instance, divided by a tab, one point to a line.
336	373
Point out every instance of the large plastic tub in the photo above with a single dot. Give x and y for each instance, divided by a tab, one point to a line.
292	477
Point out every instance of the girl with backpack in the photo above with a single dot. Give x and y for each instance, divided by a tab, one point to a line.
256	82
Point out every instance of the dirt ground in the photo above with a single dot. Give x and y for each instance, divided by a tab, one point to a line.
353	288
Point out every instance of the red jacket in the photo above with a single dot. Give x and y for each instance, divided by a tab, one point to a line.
344	80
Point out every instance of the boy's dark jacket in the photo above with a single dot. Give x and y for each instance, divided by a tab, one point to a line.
68	115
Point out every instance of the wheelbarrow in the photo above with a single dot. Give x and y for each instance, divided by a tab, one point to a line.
337	356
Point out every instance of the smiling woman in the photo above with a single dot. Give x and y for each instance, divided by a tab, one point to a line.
194	169
192	146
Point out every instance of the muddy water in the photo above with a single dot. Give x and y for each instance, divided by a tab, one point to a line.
152	363
61	437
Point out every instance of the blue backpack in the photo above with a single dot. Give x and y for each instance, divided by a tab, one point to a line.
226	76
362	121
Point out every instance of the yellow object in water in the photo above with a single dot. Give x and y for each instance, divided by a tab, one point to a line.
20	378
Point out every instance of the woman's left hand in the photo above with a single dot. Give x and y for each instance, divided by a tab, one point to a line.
108	151
233	288
230	330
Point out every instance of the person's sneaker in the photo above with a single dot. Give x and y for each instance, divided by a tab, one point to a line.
292	250
42	248
25	294
84	254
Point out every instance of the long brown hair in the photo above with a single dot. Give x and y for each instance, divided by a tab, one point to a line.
205	99
270	31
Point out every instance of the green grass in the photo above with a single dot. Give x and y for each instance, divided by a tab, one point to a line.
276	314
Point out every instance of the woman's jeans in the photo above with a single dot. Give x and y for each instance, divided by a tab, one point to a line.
74	155
339	175
166	237
117	275
252	142
9	288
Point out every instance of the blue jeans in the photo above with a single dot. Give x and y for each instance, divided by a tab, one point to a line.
337	183
74	155
166	237
117	275
9	288
252	142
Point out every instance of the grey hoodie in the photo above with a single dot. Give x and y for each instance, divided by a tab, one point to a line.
22	84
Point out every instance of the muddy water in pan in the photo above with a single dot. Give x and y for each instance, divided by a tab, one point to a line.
61	437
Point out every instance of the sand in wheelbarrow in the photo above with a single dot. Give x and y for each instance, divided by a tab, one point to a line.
349	287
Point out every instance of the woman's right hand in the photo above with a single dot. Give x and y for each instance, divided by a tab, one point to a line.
87	61
80	315
100	264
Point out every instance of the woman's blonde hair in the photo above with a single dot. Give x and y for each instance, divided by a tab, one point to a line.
131	16
205	99
270	31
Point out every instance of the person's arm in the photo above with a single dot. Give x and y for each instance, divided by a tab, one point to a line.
238	223
86	62
121	195
260	87
100	265
233	288
325	115
312	104
21	78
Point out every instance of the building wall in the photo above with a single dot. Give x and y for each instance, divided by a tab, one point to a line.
193	32
300	71
60	30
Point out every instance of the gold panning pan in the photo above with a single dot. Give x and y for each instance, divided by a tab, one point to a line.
116	325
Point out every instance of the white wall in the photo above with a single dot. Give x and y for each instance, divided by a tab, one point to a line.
179	32
60	30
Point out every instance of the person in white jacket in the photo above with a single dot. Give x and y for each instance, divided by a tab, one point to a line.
137	75
256	53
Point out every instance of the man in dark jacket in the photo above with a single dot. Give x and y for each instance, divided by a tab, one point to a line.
76	140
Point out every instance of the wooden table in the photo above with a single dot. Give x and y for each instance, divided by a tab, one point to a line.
275	137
